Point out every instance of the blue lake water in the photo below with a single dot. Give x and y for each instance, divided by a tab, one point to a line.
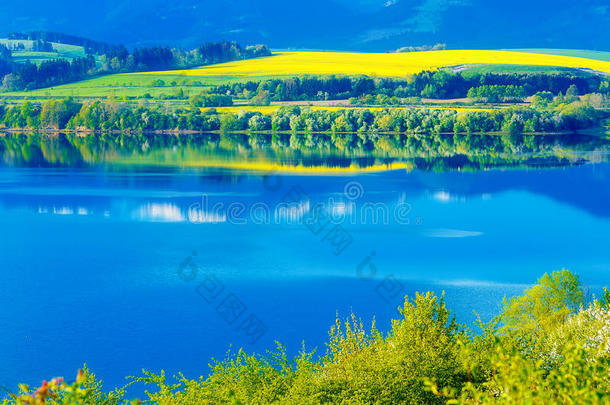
126	267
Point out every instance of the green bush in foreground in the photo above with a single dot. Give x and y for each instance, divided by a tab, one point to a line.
545	347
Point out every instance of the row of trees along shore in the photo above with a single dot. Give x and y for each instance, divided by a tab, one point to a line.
111	116
364	90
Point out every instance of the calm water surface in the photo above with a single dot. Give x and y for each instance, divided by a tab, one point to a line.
125	265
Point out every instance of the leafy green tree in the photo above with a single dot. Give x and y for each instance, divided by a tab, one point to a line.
261	98
572	93
542	307
31	113
542	99
57	113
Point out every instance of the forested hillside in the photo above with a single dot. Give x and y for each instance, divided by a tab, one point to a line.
100	58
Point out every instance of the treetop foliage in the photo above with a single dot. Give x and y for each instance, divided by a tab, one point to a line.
493	87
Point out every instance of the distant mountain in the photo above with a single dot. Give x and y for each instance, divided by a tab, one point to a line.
367	25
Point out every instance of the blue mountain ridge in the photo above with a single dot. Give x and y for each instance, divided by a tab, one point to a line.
363	25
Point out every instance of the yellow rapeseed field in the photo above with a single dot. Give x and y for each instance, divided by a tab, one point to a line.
380	64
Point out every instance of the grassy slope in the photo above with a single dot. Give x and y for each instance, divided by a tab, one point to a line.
294	63
580	53
62	51
130	85
469	70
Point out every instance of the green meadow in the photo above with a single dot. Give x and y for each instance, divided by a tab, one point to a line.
505	68
130	86
579	53
62	51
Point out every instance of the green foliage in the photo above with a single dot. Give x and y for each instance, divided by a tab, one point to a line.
107	116
543	307
542	99
57	113
381	99
572	93
240	379
578	115
86	390
211	100
518	380
261	98
497	94
425	358
493	87
605	299
371	368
